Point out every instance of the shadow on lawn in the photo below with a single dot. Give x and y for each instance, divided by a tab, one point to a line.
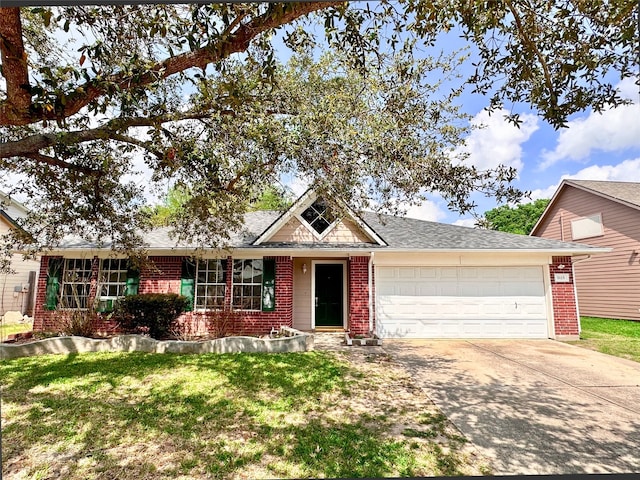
207	416
542	426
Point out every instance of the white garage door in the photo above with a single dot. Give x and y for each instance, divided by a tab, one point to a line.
460	302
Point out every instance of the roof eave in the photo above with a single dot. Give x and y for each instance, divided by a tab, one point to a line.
318	253
549	206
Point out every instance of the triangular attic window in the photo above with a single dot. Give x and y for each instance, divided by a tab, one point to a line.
319	216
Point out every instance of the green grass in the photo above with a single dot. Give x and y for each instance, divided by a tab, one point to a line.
620	338
6	330
136	415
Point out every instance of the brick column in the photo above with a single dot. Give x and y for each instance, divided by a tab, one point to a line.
43	320
284	290
565	309
358	271
164	278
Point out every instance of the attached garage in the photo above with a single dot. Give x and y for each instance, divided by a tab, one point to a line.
461	302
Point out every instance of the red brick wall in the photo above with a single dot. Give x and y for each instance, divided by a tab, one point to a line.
358	295
262	322
43	320
165	277
565	311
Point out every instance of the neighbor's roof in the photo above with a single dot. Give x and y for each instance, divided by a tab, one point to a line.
11	209
400	234
626	193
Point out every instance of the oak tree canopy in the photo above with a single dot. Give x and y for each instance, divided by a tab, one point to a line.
199	96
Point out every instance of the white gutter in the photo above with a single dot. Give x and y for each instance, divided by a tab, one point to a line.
575	289
371	292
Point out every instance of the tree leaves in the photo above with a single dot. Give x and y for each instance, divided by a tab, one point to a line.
224	118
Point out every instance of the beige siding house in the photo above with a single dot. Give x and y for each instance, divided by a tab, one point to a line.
602	214
16	287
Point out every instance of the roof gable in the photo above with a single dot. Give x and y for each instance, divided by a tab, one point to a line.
624	193
296	226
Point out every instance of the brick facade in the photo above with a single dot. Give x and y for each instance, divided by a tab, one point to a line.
164	276
358	268
565	310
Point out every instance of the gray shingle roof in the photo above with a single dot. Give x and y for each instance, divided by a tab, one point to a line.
627	192
410	233
398	232
159	238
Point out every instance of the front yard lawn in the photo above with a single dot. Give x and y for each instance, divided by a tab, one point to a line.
136	415
620	338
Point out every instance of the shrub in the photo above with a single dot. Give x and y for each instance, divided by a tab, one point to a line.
151	313
222	323
83	323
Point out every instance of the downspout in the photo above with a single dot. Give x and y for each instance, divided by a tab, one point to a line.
370	279
575	289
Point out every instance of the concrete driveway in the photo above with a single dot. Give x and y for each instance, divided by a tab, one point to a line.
533	406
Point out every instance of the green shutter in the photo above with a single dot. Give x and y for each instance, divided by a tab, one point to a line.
187	282
54	275
133	282
268	285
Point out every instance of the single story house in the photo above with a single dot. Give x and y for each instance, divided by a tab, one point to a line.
312	270
17	285
602	214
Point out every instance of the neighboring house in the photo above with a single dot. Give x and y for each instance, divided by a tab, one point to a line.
311	270
17	287
603	214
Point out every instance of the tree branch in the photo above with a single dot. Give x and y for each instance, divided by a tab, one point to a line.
200	58
534	48
56	162
14	66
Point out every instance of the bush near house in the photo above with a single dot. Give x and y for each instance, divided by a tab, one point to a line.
151	313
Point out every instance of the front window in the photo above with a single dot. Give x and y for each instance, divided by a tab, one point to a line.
211	283
76	283
113	278
247	284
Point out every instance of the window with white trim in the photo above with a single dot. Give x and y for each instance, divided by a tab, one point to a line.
211	282
247	284
76	283
319	216
113	278
587	227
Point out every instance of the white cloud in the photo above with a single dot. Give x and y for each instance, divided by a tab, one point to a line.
629	89
466	222
498	142
542	193
612	130
626	171
427	210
